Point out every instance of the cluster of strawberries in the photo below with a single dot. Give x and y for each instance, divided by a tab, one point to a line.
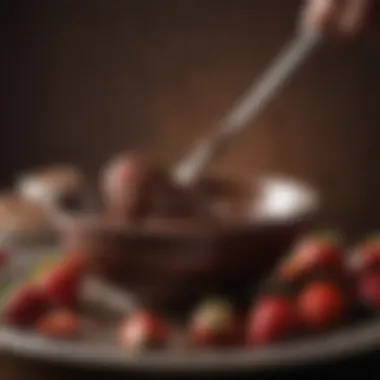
316	288
50	303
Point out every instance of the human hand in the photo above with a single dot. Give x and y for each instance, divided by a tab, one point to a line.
342	18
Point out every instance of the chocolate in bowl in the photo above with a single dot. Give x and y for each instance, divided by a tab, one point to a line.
173	261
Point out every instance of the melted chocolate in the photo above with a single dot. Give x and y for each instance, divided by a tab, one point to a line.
169	259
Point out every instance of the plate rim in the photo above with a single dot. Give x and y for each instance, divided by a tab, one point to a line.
343	343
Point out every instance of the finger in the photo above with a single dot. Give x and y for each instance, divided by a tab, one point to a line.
318	14
354	17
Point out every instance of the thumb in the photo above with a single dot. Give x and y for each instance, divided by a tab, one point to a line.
317	14
354	17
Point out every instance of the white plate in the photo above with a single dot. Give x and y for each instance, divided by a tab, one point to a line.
340	344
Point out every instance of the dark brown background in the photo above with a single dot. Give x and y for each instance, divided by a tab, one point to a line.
84	79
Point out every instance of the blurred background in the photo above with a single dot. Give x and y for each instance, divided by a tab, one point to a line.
85	79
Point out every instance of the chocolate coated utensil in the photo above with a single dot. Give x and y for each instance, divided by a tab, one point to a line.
247	108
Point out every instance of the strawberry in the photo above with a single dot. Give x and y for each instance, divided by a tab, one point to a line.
368	289
60	324
62	283
272	319
312	254
124	183
365	257
215	323
321	305
25	305
142	330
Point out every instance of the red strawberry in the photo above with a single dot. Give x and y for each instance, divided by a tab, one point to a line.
271	319
365	257
142	330
25	305
124	180
368	289
313	254
215	324
62	284
61	324
321	305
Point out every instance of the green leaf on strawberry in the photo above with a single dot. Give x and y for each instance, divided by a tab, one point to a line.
330	235
4	291
373	238
43	265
